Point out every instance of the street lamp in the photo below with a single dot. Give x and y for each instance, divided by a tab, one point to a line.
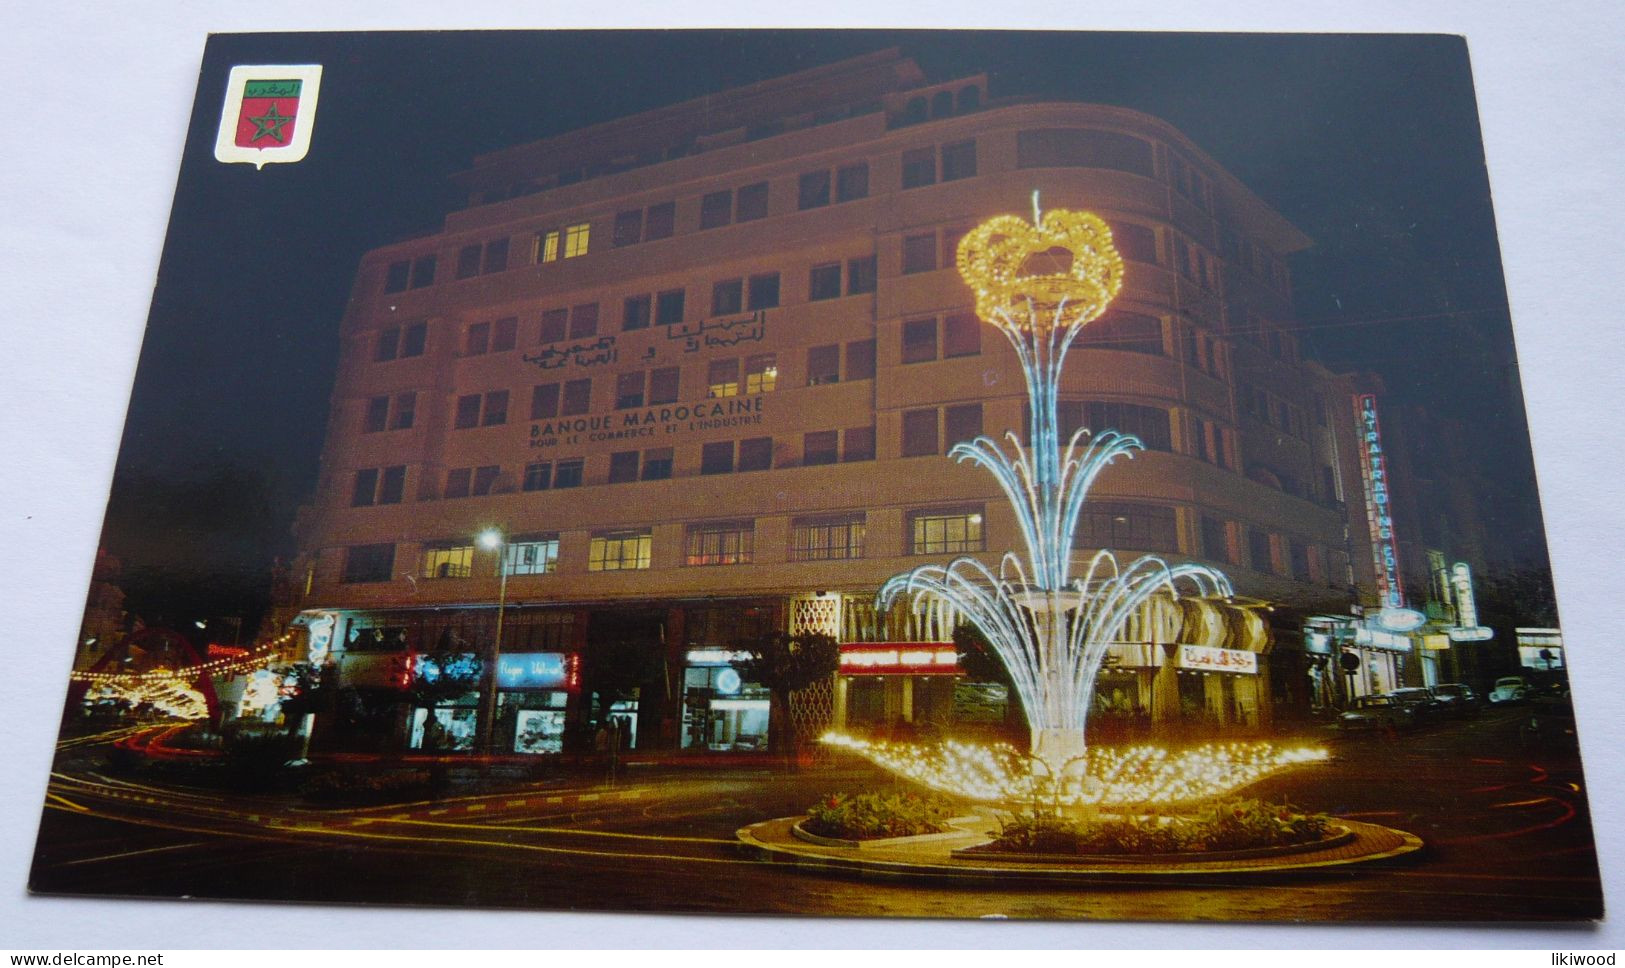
492	539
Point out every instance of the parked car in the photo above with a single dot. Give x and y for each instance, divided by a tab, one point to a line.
1458	699
1377	713
1421	702
1509	689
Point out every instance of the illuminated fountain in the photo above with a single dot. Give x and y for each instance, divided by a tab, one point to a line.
1040	284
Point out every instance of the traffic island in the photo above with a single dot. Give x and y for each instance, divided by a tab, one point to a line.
950	856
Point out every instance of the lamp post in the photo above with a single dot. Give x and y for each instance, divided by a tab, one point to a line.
492	539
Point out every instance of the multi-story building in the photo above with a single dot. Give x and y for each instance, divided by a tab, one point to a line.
699	368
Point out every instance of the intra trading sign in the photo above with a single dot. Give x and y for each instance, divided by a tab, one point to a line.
1378	511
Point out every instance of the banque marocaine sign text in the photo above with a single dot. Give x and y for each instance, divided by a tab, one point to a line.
647	423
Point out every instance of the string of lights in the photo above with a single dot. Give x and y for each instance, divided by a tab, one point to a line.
225	665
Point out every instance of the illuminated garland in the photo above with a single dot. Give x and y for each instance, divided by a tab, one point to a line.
225	665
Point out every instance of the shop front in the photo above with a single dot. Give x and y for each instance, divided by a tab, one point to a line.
721	711
896	690
533	695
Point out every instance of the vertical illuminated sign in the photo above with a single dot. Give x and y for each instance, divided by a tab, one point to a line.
1378	509
1461	577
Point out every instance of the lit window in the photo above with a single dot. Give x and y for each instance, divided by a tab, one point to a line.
532	556
575	240
448	562
945	532
827	538
720	543
547	247
761	373
619	551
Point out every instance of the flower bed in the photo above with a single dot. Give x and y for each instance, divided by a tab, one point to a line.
1225	827
871	816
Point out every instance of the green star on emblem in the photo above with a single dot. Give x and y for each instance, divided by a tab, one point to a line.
270	124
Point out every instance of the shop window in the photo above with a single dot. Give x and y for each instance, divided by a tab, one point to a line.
829	538
544	401
764	291
629	390
824	282
619	550
537	555
962	422
720	543
577	397
568	473
852	183
812	190
635	313
945	532
823	364
958	160
447	561
1082	148
1141	527
555	325
623	466
860	359
919	340
576	239
669	307
722	378
751	203
660	222
663	384
820	447
919	432
628	228
919	253
761	373
919	167
538	476
961	335
716	209
583	320
368	563
756	454
717	457
861	275
377	416
727	297
858	443
657	464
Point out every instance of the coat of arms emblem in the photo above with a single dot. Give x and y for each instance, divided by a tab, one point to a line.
268	113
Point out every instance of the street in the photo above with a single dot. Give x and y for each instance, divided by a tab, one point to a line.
1504	819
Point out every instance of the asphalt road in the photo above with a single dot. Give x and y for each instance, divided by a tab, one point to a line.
1505	821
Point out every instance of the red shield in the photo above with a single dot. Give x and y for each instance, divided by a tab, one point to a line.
268	112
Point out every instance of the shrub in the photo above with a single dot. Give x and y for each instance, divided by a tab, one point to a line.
1221	826
867	816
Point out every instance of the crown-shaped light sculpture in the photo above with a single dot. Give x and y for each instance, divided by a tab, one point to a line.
1040	284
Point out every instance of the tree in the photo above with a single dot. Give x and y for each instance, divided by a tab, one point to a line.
787	664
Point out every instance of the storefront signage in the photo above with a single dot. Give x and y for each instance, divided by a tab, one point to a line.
1378	510
715	657
1461	581
899	658
1208	659
1474	633
648	423
1401	619
1436	642
533	670
1379	639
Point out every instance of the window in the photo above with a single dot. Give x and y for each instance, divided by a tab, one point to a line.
919	432
764	291
423	272
961	336
1124	331
660	221
485	478
1258	549
1135	242
482	259
451	561
457	482
496	409
1072	148
539	476
962	422
406	405
1141	527
950	245
813	190
859	444
623	466
761	373
860	275
576	238
1150	424
958	160
628	228
504	334
555	325
635	313
720	543
468	261
396	278
827	538
722	378
945	532
567	473
860	359
663	385
414	337
919	253
629	390
544	401
919	167
545	247
752	203
619	550
823	364
392	487
727	297
468	411
919	340
583	320
537	555
577	398
756	454
717	457
496	257
942	104
669	307
365	489
820	447
824	282
851	183
657	464
477	340
1298	558
1215	539
364	563
377	417
388	346
716	209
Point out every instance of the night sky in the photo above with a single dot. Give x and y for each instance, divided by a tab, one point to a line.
1368	144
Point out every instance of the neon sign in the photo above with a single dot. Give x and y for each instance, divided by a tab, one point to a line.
903	658
1208	659
1378	510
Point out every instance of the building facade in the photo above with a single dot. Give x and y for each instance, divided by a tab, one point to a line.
698	370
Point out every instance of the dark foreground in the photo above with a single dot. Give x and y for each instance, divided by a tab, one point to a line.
1504	818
